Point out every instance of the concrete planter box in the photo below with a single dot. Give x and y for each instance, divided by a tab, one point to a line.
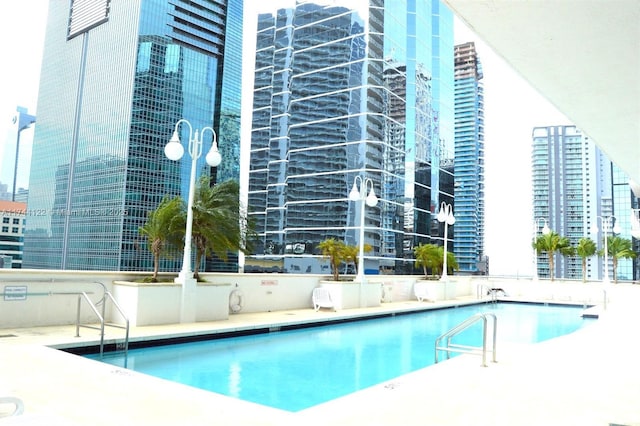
159	303
346	294
213	302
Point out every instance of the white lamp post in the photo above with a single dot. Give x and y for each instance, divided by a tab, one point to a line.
606	224
23	120
174	151
545	231
635	223
445	215
371	200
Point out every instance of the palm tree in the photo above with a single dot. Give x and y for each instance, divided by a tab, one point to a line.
335	251
164	230
452	262
351	253
429	257
586	248
549	244
618	248
220	225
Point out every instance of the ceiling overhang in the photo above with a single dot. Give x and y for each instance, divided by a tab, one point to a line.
581	55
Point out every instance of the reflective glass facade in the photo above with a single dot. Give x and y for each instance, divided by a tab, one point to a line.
469	160
622	204
361	89
109	100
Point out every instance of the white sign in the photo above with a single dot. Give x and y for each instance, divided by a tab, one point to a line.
15	292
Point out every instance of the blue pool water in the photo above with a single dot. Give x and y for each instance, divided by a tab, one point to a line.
294	370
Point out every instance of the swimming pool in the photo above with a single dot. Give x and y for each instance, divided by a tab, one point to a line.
296	369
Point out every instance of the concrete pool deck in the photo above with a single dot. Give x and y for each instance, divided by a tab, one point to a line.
590	377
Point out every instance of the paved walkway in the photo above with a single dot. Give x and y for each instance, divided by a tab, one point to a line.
590	377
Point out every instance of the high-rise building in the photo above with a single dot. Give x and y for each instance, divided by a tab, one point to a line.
576	187
469	161
4	192
634	219
363	89
12	221
623	203
567	182
15	161
116	77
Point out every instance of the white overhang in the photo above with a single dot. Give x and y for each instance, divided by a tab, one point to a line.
581	55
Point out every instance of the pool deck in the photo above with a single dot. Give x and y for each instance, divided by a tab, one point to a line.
590	377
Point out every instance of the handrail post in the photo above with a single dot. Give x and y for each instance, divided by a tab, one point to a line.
495	335
463	326
78	317
484	341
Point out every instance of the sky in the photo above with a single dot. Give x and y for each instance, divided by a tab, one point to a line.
512	109
22	27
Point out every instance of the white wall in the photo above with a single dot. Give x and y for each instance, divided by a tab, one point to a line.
51	297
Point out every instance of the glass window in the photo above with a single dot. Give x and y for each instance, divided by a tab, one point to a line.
144	57
172	59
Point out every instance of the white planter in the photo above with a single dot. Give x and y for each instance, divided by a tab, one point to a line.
159	303
213	302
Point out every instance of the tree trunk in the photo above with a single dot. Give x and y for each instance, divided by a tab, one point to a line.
196	267
156	248
156	266
551	268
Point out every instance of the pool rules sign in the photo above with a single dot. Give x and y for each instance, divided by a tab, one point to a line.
15	292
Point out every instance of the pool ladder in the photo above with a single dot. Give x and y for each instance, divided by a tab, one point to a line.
449	347
101	316
483	290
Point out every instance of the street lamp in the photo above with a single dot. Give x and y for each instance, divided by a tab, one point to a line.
606	223
371	200
635	223
545	231
445	215
174	151
23	120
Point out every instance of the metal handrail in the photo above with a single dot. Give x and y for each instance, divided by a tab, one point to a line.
469	349
482	290
101	316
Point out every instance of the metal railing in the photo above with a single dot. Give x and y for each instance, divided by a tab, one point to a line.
101	317
451	347
484	290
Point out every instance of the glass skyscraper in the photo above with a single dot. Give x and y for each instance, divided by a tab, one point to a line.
622	204
116	77
469	161
364	88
